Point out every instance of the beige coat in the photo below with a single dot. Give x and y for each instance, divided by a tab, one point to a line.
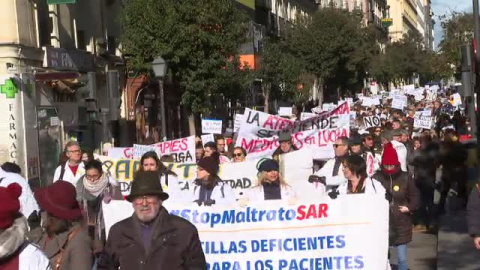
77	254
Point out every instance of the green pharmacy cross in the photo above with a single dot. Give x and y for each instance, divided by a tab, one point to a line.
9	89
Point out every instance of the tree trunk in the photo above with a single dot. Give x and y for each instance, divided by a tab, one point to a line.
318	90
266	95
191	124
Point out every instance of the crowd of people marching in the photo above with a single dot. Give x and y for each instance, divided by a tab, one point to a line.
61	226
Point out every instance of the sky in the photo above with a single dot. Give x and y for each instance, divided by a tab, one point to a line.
441	7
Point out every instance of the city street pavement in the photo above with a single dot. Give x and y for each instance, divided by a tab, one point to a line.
422	252
455	246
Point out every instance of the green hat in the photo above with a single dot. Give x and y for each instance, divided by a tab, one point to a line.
146	183
285	137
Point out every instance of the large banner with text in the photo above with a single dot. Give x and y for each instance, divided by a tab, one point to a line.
259	132
323	234
240	176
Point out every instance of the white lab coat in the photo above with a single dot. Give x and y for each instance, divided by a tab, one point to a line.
68	175
32	257
28	204
372	186
327	172
401	153
226	197
256	193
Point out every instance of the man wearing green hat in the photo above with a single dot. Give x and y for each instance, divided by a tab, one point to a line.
152	238
286	145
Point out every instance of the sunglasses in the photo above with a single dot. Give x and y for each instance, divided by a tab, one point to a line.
237	154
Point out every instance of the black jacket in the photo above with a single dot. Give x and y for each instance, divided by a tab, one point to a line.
402	192
425	163
473	212
174	245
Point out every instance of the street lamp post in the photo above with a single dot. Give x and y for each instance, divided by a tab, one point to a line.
159	66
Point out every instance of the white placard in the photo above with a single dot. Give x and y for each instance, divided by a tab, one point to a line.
422	122
457	99
237	122
211	126
399	102
306	115
372	121
207	138
54	121
285	111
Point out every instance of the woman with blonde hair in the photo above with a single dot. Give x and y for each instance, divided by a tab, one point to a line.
271	185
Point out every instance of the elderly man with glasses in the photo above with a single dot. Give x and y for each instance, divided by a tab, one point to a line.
73	169
152	238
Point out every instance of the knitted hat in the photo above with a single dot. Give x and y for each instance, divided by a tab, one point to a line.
389	156
9	204
266	165
60	200
209	164
146	183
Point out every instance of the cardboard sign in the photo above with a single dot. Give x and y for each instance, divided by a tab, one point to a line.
372	121
285	111
457	99
337	234
211	126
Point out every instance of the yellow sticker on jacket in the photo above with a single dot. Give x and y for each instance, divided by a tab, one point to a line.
396	188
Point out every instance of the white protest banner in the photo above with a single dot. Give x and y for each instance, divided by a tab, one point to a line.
237	122
328	106
350	101
306	115
285	111
120	152
182	150
399	102
211	126
207	138
422	122
372	121
259	132
239	175
316	234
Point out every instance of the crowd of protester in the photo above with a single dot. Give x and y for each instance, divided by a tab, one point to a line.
61	226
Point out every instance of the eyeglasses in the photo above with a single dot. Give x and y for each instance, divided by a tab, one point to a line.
75	151
337	145
92	177
237	154
148	199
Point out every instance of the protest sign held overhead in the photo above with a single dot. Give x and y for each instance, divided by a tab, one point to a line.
207	138
422	122
399	102
285	111
259	132
237	122
182	150
372	121
120	152
211	126
336	234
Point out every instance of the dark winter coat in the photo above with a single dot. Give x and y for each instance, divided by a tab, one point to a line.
473	212
174	245
401	192
453	157
425	163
